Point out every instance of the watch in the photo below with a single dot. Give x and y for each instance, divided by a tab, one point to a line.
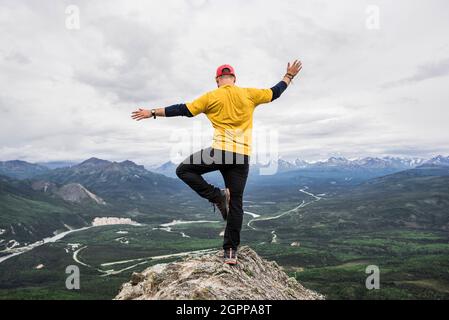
153	113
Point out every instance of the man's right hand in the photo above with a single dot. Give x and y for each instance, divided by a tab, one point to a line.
141	114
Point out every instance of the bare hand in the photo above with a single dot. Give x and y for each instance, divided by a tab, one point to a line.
294	68
141	114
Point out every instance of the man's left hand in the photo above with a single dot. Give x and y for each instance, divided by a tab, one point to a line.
294	67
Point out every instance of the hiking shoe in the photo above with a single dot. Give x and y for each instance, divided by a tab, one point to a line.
230	256
223	203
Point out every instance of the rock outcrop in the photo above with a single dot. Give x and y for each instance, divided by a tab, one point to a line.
72	192
75	192
205	277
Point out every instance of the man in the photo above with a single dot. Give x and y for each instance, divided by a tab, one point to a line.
230	110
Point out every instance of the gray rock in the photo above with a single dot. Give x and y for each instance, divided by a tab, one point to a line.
206	277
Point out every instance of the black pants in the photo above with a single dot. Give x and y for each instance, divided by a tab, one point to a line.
234	168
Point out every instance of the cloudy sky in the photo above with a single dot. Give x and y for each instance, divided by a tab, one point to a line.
375	78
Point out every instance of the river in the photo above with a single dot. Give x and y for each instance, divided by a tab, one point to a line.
20	250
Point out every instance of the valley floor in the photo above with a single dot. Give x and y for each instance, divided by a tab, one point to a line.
413	264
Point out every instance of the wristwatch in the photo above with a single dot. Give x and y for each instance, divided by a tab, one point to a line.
153	113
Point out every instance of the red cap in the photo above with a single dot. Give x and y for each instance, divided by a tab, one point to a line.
221	71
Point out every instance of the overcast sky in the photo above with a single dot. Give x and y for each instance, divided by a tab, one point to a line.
67	94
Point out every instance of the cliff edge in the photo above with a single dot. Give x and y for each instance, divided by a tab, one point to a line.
205	277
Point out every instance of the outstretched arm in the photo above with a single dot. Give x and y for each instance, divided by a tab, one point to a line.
292	70
189	109
171	111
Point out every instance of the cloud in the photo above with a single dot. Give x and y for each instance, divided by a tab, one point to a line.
424	72
133	61
69	93
17	57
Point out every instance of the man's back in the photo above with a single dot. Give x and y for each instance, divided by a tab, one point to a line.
230	110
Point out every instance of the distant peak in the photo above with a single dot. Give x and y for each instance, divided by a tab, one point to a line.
337	160
128	163
167	164
131	165
94	161
19	162
439	160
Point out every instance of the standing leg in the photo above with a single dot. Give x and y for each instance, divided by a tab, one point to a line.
197	164
235	177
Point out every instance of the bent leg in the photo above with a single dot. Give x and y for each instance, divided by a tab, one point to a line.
193	167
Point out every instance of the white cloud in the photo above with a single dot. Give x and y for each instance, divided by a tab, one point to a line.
68	94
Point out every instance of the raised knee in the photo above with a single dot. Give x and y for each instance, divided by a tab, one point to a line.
180	170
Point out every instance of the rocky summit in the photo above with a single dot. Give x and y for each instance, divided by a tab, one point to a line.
206	277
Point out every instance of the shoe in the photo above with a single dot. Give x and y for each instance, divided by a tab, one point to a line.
230	256
223	203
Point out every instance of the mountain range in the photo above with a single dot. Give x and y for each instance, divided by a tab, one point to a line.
22	170
29	214
391	164
97	187
338	212
113	179
36	201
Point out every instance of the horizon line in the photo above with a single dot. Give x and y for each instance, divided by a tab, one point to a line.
279	158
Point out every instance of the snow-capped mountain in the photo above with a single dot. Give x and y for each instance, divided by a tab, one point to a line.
396	163
284	165
299	163
333	162
389	162
439	160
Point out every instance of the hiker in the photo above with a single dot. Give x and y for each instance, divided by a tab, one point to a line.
230	110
